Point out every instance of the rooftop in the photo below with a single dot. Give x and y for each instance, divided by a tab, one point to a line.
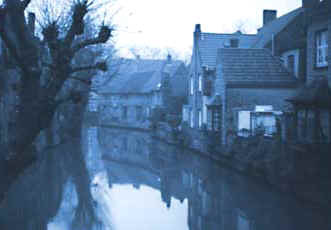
265	33
255	66
210	42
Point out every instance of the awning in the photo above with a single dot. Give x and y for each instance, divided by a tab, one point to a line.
317	94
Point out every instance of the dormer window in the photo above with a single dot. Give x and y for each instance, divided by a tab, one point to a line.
234	43
322	48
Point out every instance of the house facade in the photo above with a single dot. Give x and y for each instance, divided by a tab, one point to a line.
253	86
312	103
132	97
202	74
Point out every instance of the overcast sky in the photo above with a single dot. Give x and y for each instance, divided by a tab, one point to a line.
170	23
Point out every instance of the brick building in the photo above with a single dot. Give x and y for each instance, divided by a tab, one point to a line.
312	103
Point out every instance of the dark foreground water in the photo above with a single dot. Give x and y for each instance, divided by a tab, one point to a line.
125	180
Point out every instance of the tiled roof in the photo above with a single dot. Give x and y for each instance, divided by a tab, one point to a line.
274	27
252	66
210	42
139	75
139	83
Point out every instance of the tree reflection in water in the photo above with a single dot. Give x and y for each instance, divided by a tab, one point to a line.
35	199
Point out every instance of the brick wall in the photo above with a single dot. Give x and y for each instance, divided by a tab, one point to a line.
312	71
246	99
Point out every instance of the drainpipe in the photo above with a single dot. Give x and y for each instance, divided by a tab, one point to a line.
273	44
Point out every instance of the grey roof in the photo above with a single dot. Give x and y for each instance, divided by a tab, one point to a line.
274	27
172	67
139	75
252	66
210	42
141	82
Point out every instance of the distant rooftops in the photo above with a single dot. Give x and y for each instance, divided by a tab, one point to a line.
139	76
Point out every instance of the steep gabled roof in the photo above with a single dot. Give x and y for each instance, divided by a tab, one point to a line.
274	27
210	42
252	66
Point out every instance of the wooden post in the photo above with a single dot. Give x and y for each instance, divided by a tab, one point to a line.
317	126
295	128
305	125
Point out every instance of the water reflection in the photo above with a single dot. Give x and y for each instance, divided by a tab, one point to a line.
55	189
216	198
123	180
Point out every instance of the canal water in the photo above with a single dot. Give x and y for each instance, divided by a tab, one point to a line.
126	180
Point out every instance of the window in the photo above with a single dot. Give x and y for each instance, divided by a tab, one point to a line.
262	119
200	119
186	114
125	112
200	83
244	123
291	63
234	43
192	85
322	49
148	111
191	119
214	118
139	113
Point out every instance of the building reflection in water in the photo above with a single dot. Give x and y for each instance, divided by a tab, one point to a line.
217	198
157	185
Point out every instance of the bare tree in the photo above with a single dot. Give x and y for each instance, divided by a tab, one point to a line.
38	102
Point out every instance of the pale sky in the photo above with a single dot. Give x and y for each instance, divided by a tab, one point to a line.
170	24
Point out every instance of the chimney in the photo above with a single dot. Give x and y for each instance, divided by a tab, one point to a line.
197	33
31	22
197	28
169	59
268	16
308	4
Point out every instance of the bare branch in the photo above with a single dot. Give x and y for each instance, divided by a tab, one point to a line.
25	3
98	66
85	81
104	34
77	26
